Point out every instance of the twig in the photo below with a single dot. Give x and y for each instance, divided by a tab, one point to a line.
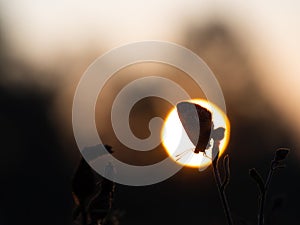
263	197
222	185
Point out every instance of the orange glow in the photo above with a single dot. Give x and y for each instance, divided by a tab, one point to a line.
176	141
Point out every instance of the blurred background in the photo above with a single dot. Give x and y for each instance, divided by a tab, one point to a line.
253	49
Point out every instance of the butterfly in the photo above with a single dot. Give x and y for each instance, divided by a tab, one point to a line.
197	122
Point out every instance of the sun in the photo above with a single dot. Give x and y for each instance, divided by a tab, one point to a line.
176	141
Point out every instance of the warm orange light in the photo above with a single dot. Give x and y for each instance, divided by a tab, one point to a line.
176	141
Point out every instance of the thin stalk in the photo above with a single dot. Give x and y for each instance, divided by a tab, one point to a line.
221	188
264	196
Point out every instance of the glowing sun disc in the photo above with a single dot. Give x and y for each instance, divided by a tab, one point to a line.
176	141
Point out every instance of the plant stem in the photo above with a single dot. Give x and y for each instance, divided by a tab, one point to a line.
221	188
262	200
264	196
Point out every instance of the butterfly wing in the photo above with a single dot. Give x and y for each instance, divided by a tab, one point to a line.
197	122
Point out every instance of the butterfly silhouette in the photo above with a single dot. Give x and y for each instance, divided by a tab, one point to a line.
197	122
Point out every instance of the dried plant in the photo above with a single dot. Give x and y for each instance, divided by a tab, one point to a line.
263	186
93	196
221	184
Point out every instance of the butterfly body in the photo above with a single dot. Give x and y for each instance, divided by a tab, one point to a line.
197	122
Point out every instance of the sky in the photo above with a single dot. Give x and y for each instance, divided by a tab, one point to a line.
40	32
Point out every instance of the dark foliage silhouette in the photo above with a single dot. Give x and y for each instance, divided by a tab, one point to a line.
263	186
93	195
